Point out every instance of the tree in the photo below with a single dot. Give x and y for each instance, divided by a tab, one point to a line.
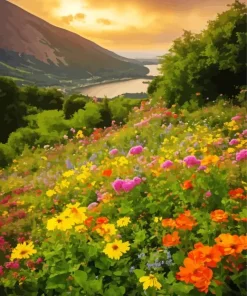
72	104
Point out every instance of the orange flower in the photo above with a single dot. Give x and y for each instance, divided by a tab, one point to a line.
219	216
237	193
88	221
185	221
170	240
243	241
102	220
168	223
230	244
206	255
196	274
187	185
107	173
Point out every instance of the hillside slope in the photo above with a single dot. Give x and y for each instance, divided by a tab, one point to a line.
30	44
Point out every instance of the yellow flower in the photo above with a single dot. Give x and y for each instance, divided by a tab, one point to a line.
23	251
43	157
50	193
5	214
150	281
230	150
157	219
107	230
116	249
60	222
68	173
75	212
210	159
79	135
80	228
123	221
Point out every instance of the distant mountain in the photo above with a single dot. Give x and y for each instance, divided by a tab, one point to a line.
32	50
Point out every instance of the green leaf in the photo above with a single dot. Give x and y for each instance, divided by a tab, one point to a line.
80	277
170	278
56	282
118	273
139	273
178	257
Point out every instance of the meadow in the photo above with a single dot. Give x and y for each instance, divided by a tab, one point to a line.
153	207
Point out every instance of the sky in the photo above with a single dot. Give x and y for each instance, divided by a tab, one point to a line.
132	28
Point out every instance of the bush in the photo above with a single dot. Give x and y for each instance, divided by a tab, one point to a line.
72	104
6	155
22	137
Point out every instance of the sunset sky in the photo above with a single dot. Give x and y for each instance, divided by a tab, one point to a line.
134	28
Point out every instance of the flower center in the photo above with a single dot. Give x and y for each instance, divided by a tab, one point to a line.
23	252
74	211
59	220
114	247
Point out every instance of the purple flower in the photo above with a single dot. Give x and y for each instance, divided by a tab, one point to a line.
167	164
136	150
241	155
191	161
92	205
113	152
233	142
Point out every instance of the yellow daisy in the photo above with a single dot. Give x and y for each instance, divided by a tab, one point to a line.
75	212
116	249
60	222
150	281
123	221
23	251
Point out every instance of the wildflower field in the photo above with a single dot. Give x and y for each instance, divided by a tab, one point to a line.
154	207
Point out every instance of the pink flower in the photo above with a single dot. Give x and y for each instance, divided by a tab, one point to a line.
191	161
118	185
39	260
202	168
208	193
244	133
233	142
93	167
167	164
136	150
92	205
113	152
241	155
236	118
1	270
137	180
128	185
12	265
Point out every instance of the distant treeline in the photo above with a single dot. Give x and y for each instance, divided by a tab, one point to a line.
39	116
201	67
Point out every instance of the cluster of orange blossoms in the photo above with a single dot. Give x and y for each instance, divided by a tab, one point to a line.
237	193
198	264
219	216
184	221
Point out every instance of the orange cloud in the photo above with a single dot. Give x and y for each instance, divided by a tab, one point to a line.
130	24
104	21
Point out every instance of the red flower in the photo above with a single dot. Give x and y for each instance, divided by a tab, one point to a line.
187	185
107	173
102	220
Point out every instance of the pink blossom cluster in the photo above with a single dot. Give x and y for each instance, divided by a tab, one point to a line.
167	164
113	152
233	142
241	155
191	161
136	150
126	185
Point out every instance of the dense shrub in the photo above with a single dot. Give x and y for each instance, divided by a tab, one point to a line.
208	64
72	104
6	154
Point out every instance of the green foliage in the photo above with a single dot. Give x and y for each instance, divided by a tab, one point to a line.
210	63
73	104
6	154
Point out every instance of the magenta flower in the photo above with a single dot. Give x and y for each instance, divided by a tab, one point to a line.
118	185
244	133
191	161
113	152
167	164
39	260
136	150
128	185
241	155
233	142
12	265
137	180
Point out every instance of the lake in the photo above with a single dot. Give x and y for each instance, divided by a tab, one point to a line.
113	89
